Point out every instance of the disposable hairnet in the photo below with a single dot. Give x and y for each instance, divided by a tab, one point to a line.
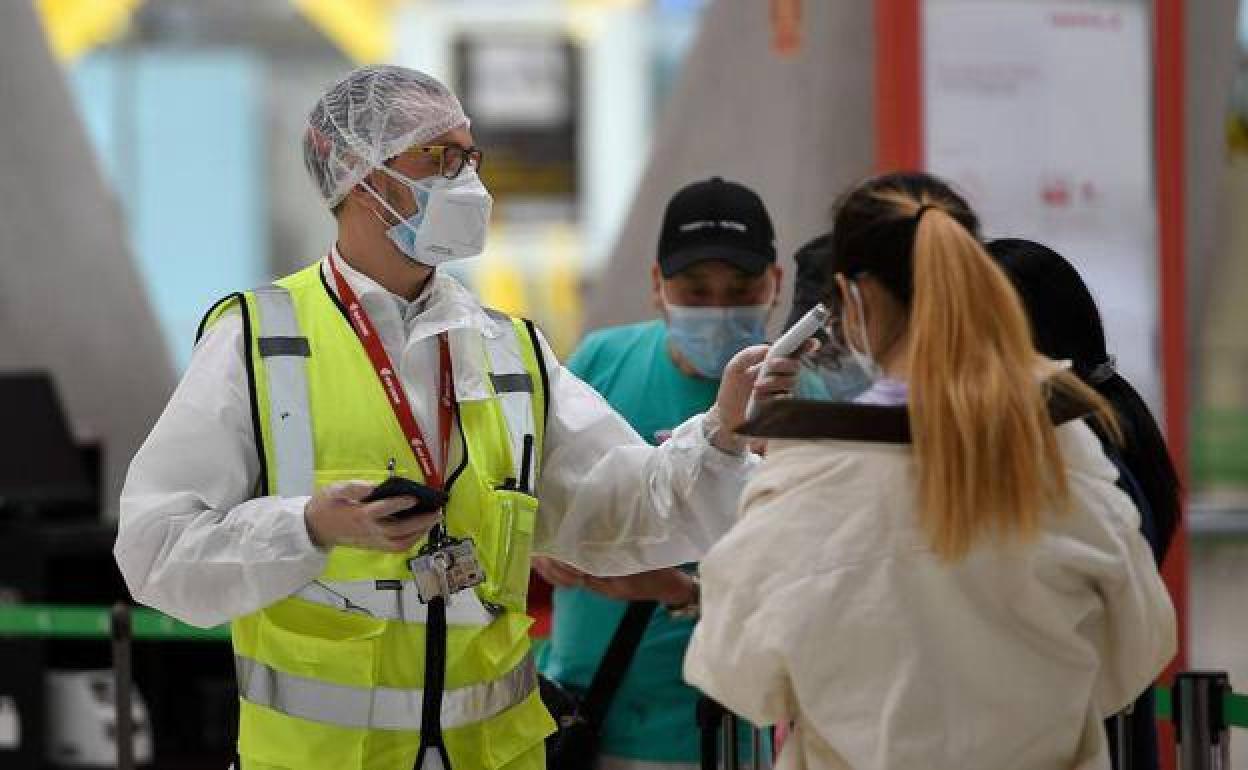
370	116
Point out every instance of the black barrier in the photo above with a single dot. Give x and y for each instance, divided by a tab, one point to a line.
122	636
1201	704
1199	716
1123	735
121	624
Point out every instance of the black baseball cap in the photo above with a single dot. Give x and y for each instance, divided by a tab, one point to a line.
716	219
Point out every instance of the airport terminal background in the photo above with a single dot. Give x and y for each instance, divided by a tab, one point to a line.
156	167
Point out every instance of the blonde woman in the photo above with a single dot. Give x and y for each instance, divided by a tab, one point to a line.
944	574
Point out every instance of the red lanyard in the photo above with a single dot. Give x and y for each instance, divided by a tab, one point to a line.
389	378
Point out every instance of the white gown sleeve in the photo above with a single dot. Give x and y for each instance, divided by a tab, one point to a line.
193	541
611	504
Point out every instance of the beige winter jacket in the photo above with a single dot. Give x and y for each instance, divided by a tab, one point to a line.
824	606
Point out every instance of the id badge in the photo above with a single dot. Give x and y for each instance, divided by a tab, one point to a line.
446	569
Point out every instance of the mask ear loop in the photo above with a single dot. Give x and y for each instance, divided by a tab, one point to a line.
864	359
402	220
383	202
856	295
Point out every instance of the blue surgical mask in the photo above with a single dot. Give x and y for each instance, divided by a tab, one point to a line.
845	368
860	349
708	337
842	384
883	390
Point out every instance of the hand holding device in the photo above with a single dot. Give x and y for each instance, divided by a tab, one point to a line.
790	345
428	499
339	514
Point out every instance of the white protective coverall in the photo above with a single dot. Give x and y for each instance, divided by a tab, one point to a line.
195	543
825	606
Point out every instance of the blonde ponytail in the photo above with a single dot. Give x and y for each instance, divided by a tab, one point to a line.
986	449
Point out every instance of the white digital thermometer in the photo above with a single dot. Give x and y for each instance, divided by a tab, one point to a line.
791	342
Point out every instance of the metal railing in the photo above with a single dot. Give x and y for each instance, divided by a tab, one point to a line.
122	624
1203	709
1201	705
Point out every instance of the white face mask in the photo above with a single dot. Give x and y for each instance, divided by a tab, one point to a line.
450	221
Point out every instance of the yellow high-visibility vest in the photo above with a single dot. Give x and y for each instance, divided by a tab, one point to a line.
331	677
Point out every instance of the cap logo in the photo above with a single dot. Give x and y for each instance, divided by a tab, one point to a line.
721	224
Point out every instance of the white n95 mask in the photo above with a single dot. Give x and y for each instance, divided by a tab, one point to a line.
450	221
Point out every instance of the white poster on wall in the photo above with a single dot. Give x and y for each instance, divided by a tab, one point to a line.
1041	114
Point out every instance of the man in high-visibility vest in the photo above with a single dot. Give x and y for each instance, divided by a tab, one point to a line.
390	633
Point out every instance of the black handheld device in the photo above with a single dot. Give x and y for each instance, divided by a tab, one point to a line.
429	500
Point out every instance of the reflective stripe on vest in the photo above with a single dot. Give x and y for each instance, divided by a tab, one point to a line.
514	387
383	708
284	351
393	600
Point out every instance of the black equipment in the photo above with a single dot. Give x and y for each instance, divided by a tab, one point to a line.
429	500
42	469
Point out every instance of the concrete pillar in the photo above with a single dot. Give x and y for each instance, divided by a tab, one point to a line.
71	299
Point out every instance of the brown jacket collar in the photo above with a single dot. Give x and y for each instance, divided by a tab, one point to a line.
802	419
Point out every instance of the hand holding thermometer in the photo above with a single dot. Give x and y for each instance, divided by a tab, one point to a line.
791	343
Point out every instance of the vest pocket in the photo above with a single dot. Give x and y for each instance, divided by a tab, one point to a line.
514	738
509	527
319	643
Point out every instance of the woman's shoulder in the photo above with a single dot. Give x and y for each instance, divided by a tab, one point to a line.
1100	512
823	505
1083	452
826	475
830	463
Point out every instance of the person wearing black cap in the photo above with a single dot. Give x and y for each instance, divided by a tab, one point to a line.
715	284
716	277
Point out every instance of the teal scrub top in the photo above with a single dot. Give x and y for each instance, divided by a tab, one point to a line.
651	717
